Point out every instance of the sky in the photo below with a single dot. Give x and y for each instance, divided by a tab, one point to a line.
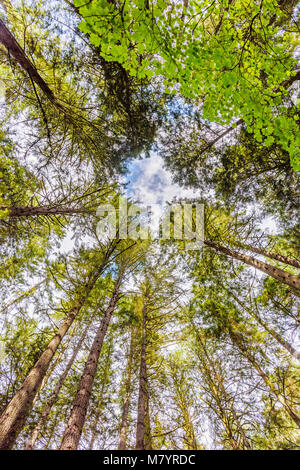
150	183
147	183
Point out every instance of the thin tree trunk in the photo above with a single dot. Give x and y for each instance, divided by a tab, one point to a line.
52	367
279	274
140	428
219	137
148	437
128	391
29	211
76	420
245	352
216	379
272	255
95	424
16	51
101	398
24	294
41	422
14	416
285	344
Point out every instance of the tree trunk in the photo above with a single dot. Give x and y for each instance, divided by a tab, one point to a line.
285	344
97	416
101	400
53	366
128	391
279	274
16	51
76	420
41	422
148	437
215	380
272	255
29	211
14	416
140	428
24	294
245	352
219	137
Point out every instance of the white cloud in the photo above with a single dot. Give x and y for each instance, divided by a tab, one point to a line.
151	183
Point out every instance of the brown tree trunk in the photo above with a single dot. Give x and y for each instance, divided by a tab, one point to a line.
128	391
148	437
16	51
218	390
28	211
285	344
16	412
54	364
245	352
219	137
101	401
143	388
272	255
24	294
97	416
279	274
41	422
76	420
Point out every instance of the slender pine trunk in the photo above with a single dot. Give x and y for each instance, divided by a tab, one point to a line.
279	274
101	400
140	427
15	414
16	51
220	391
269	254
127	400
42	421
245	352
28	211
53	366
285	344
148	437
24	294
97	417
76	420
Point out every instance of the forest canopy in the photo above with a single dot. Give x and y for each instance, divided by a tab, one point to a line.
149	230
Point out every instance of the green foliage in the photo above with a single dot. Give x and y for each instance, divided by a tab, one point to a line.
231	56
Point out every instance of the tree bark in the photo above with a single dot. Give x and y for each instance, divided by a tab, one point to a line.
143	388
279	274
245	352
218	389
41	422
128	391
28	211
272	255
285	344
24	294
14	416
219	137
76	420
53	365
14	49
101	401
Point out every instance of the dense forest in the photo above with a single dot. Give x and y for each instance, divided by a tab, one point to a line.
114	336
